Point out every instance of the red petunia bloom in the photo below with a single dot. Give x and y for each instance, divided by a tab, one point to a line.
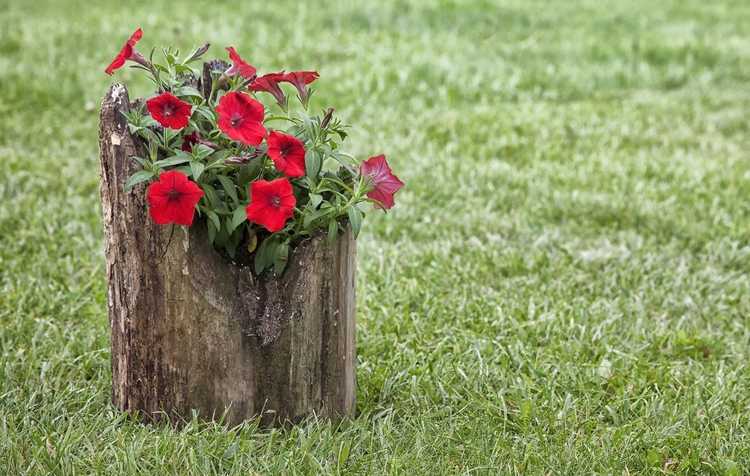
269	83
287	153
239	66
383	184
271	203
169	110
172	199
300	80
241	118
190	140
128	52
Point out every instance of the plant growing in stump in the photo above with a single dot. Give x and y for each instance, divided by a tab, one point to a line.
229	217
226	144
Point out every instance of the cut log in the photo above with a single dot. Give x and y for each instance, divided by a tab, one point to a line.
192	331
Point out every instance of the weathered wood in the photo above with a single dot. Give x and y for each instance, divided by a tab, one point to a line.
193	331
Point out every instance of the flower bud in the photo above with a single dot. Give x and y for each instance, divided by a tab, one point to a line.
327	118
198	53
237	160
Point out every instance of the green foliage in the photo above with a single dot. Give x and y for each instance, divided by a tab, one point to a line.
224	169
565	290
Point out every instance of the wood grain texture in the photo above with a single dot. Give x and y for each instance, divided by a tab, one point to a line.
193	331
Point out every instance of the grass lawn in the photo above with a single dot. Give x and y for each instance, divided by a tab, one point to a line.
563	287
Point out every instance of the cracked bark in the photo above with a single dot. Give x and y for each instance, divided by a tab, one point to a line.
193	331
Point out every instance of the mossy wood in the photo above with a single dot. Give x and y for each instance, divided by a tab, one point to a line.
193	331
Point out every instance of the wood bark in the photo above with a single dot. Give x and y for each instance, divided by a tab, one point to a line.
192	331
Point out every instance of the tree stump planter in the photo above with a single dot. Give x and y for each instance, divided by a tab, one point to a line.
192	331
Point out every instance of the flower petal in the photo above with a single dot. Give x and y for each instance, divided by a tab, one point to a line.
126	52
172	199
262	209
384	184
287	153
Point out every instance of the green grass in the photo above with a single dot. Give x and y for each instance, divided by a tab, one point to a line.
563	287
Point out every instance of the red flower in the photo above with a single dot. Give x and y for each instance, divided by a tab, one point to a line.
241	118
271	203
190	140
127	52
270	83
287	153
169	110
383	184
172	199
239	66
300	80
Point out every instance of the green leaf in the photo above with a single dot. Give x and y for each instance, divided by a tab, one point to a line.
149	135
238	218
333	231
211	196
229	187
182	68
221	237
232	243
170	135
211	232
255	168
161	67
188	91
138	177
149	121
202	151
185	169
142	162
355	219
178	159
313	162
133	116
169	55
197	169
205	113
281	256
264	255
309	218
214	218
315	200
249	172
219	158
252	240
342	159
309	126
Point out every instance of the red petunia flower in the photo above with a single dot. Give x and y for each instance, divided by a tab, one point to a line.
300	80
383	184
241	118
271	203
172	199
287	153
189	141
239	66
128	52
169	110
269	83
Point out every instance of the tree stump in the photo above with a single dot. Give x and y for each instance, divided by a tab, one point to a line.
192	331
